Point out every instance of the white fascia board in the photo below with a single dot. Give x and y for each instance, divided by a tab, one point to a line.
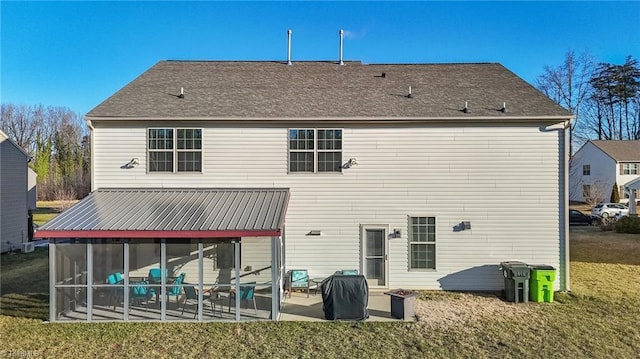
479	119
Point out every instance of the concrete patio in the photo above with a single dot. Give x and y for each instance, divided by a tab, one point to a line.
298	307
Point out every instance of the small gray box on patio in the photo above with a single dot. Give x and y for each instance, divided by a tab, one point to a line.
402	303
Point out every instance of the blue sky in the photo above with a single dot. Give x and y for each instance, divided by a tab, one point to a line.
76	54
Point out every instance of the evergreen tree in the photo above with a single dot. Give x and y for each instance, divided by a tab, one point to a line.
615	194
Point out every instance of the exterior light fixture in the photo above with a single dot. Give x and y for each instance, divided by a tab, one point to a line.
350	163
131	164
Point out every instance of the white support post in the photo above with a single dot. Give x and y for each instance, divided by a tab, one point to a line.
52	281
163	280
89	280
236	253
275	278
200	278
126	269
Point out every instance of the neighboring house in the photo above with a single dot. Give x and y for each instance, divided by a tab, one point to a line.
13	195
600	164
633	188
419	176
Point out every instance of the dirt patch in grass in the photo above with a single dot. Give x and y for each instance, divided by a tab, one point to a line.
460	309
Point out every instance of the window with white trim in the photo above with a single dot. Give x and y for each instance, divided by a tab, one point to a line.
629	169
174	150
315	150
422	242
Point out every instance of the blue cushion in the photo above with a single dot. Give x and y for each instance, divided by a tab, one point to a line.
299	278
349	272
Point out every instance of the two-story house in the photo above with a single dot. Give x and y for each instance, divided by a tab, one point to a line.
598	165
421	176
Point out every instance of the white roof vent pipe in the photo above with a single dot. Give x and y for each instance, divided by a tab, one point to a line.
341	38
289	47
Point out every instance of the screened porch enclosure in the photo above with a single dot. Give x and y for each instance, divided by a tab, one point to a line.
217	279
129	254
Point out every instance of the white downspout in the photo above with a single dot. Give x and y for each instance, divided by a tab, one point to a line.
567	282
92	169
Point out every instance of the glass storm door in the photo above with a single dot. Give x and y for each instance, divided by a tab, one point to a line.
375	256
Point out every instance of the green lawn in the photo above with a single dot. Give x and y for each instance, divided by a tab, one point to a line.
598	319
46	210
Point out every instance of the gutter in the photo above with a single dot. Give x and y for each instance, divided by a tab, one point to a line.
550	120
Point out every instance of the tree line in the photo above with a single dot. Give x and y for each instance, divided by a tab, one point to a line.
604	97
57	140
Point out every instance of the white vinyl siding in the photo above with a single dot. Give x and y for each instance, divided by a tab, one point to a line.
13	196
483	174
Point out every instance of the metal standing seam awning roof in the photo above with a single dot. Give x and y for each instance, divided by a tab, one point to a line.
172	213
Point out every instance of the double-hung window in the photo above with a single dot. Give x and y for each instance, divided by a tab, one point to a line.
629	169
315	150
422	243
586	170
174	150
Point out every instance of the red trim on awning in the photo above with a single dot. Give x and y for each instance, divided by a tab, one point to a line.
156	234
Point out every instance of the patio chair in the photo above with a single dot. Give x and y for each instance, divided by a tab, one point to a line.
246	292
176	289
116	294
155	275
299	279
140	292
191	294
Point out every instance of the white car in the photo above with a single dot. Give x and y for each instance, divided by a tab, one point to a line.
606	210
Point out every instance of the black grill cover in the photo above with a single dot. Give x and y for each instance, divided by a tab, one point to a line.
345	297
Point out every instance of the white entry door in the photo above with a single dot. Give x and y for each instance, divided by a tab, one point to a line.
374	255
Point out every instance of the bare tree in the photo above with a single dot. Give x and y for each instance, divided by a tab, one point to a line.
596	192
22	123
56	138
568	84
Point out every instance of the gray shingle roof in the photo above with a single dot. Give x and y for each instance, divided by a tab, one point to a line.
201	212
308	90
621	151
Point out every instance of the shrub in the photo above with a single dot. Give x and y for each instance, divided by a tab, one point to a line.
628	224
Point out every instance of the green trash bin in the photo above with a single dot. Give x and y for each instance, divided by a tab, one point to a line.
542	278
516	281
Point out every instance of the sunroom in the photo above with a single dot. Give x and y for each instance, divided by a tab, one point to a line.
168	255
